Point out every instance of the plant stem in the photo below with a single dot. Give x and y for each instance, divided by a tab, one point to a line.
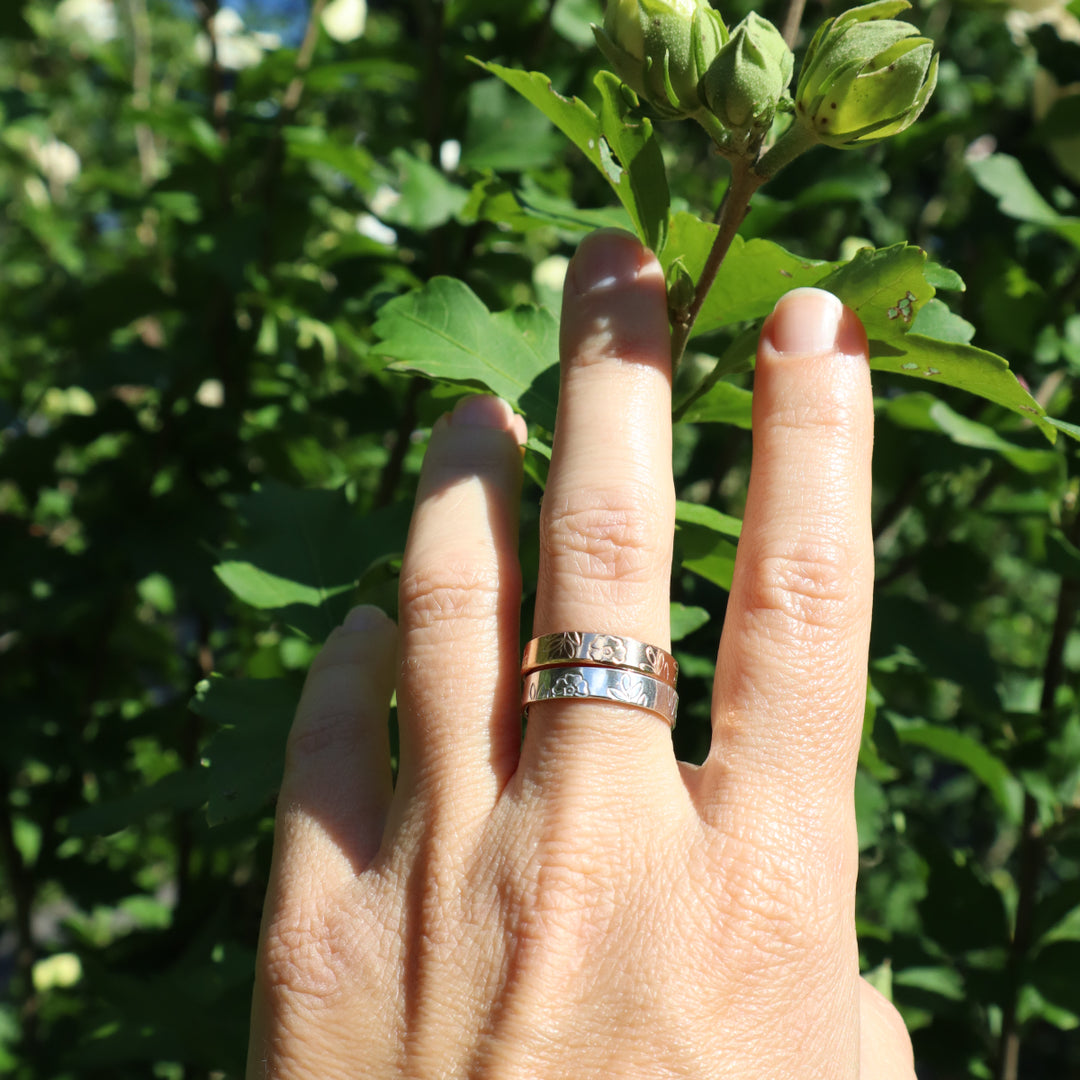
1032	841
291	101
792	21
795	141
744	182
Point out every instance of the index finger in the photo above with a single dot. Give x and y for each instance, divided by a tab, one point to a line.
790	687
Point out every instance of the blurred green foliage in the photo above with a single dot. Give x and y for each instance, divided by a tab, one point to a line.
215	252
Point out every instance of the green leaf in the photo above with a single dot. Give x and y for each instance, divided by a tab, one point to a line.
964	750
688	513
631	139
685	620
261	589
352	161
504	132
886	288
943	278
723	403
308	548
1053	973
1072	430
245	756
937	321
942	981
173	793
871	806
445	332
426	197
635	173
1062	556
921	411
700	545
1004	178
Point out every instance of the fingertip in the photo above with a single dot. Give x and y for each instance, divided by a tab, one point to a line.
811	322
605	260
367	617
615	304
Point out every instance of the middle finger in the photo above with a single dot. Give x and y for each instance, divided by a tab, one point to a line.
608	514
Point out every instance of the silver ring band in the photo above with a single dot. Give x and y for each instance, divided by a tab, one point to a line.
605	650
582	683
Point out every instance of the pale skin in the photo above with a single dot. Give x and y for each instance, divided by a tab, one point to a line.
580	904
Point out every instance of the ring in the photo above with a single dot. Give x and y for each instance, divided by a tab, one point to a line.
604	684
605	650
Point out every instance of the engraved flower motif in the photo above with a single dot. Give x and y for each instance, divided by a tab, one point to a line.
569	685
630	690
605	649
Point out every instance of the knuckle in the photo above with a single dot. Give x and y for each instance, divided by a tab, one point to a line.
788	918
608	536
320	732
825	414
458	588
302	960
811	586
315	954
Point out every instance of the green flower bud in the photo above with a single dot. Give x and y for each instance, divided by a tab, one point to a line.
661	49
865	76
747	80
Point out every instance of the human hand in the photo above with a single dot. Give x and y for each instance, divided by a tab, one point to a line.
579	904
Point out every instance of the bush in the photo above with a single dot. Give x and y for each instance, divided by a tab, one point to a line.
240	278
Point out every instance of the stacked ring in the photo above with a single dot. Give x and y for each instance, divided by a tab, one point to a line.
604	650
603	667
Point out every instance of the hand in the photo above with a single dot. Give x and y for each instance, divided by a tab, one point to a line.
579	904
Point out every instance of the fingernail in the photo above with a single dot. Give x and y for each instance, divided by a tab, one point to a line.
805	321
603	261
482	411
363	617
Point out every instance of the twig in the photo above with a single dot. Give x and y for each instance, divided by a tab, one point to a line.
291	101
21	883
1032	841
140	84
792	21
744	182
219	102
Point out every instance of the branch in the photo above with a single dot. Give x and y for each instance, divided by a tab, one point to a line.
1032	841
733	209
792	21
291	101
140	84
21	883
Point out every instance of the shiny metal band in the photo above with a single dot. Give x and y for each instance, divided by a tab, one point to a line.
582	683
605	650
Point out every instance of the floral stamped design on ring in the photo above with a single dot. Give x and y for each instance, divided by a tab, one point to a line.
569	685
658	661
565	646
606	649
630	690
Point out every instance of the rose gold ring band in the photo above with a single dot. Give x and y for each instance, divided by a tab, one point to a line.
613	685
602	650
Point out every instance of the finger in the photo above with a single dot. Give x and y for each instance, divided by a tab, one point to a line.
791	674
459	598
885	1051
336	783
608	512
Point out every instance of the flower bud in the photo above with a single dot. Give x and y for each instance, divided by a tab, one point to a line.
661	49
865	76
748	78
